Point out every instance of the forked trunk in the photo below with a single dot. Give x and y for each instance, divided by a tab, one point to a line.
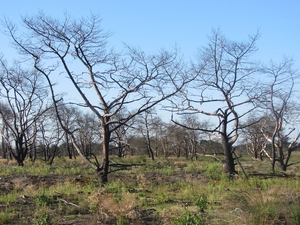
229	166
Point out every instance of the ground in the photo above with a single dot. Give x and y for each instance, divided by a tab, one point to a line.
164	191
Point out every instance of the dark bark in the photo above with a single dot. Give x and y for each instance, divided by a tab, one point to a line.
103	173
229	166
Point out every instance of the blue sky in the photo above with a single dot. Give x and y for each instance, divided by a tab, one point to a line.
154	24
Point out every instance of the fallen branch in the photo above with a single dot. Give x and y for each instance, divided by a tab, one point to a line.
215	157
69	203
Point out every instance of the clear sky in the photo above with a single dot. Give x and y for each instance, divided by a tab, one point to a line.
161	23
154	24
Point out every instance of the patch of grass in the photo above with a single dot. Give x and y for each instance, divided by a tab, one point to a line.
167	171
189	218
294	213
67	188
8	198
42	217
257	206
191	167
213	171
201	202
42	199
6	216
123	221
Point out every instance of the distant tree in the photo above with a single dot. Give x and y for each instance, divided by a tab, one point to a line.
283	112
176	141
147	129
67	120
162	132
121	135
253	138
86	133
211	147
51	136
23	103
5	137
223	89
193	134
78	50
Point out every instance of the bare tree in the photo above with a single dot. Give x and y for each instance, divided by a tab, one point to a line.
68	115
78	49
121	135
145	128
223	89
175	141
193	135
24	94
87	134
253	137
49	138
5	132
280	105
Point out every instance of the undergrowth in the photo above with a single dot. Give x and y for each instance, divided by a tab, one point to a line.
173	191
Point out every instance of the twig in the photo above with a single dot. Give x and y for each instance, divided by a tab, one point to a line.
69	203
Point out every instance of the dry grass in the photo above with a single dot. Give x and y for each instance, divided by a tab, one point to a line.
155	193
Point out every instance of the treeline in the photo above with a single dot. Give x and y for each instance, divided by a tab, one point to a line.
163	140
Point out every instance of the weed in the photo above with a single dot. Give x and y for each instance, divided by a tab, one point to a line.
68	188
42	217
60	207
189	218
201	202
191	167
6	216
42	199
259	207
8	198
294	214
122	221
167	171
263	214
213	171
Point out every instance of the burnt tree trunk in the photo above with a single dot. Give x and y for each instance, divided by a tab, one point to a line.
106	133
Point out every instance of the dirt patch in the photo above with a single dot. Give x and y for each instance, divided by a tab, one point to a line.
19	182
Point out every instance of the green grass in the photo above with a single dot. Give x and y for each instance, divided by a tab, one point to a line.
7	216
8	198
177	191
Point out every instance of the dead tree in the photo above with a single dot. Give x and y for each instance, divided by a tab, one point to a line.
78	50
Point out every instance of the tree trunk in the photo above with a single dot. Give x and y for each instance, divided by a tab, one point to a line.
4	149
229	167
120	149
287	158
150	150
105	154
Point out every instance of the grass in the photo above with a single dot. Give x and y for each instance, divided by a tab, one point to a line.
172	191
7	215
